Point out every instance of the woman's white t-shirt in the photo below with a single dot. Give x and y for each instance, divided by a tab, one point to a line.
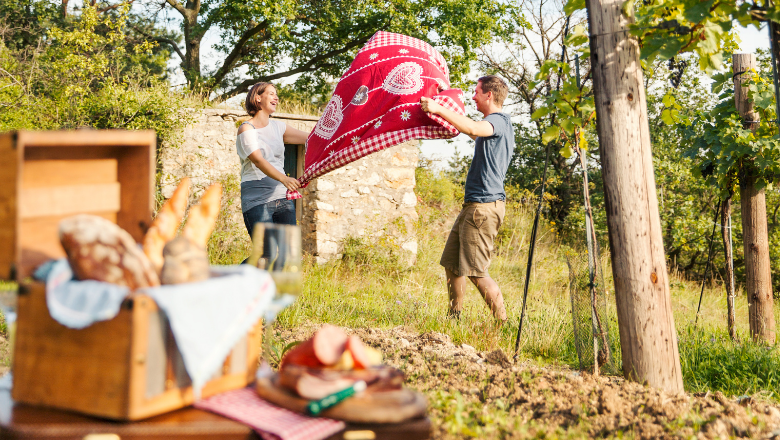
256	187
269	140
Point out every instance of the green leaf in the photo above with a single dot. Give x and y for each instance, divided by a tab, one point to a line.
671	48
566	151
628	9
668	100
764	100
699	11
650	47
567	125
587	106
540	113
666	116
573	5
552	132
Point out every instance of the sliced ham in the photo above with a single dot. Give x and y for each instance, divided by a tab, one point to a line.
315	383
311	386
324	348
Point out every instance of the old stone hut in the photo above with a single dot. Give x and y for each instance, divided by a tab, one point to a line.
372	198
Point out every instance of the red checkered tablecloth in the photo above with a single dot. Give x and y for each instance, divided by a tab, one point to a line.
268	420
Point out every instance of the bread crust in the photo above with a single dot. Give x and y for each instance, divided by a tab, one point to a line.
99	250
185	262
203	216
166	224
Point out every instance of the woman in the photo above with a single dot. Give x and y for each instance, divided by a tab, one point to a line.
260	145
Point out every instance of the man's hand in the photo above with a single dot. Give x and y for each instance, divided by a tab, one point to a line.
290	183
430	106
462	123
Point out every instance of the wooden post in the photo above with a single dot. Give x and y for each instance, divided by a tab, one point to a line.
755	236
648	337
774	48
725	233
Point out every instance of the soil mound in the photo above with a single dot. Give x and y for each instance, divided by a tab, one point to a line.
483	395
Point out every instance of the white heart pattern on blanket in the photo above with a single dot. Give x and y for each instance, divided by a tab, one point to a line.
405	79
331	118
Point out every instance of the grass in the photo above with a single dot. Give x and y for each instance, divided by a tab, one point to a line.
229	243
371	287
377	293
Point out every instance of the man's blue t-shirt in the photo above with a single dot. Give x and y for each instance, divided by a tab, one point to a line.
485	180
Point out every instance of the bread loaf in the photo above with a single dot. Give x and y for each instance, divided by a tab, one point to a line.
185	262
166	224
100	250
202	216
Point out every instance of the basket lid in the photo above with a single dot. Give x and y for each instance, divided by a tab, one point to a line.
48	176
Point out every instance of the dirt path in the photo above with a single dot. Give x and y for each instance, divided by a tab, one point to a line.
482	395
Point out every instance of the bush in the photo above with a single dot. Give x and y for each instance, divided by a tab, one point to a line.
84	76
434	187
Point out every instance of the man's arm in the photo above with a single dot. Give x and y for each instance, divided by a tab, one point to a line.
464	124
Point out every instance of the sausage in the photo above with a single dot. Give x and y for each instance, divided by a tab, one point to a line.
358	352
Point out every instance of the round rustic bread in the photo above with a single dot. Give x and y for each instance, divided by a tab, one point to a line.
100	250
185	262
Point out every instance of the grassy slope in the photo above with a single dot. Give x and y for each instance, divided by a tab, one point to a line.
370	289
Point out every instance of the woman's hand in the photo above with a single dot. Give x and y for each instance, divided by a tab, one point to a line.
290	183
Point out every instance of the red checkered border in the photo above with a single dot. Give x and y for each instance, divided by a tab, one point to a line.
381	142
381	39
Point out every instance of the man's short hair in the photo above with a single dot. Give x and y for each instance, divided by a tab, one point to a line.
492	83
256	90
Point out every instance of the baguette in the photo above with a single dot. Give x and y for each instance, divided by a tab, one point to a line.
166	224
203	216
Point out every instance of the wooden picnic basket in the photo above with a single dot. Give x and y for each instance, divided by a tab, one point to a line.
126	368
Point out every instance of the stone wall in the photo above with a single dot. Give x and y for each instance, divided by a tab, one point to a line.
372	198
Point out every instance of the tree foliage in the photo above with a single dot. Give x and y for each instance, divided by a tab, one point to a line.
543	86
83	75
266	40
725	148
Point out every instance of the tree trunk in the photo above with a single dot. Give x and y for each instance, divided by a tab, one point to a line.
755	236
725	233
192	39
648	337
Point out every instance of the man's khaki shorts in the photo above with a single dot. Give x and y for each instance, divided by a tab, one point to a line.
469	247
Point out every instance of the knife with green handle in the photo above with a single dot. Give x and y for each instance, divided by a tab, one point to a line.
317	406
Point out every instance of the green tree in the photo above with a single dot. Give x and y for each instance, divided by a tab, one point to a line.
83	75
266	40
543	88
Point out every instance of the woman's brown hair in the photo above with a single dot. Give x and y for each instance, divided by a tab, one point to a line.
251	97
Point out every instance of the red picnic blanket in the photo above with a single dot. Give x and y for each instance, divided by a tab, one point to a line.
376	104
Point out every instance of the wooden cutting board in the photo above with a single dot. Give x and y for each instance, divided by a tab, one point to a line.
368	407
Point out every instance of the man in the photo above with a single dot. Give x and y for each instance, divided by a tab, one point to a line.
470	244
